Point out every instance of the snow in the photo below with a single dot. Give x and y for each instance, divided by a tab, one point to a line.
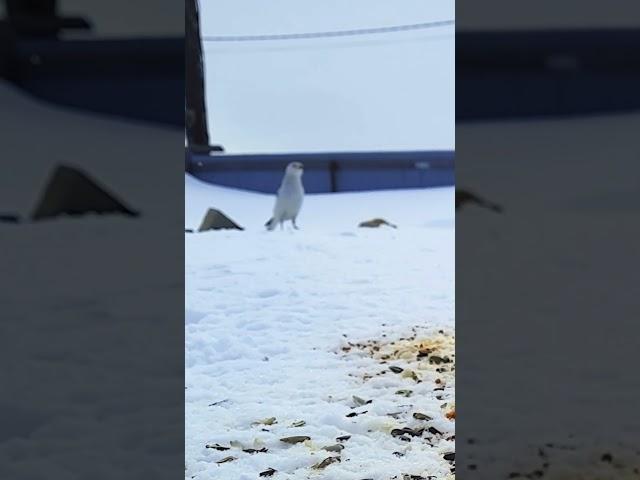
75	329
269	317
562	334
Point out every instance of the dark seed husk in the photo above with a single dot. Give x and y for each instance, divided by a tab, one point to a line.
337	448
422	416
325	463
227	459
218	447
253	450
295	439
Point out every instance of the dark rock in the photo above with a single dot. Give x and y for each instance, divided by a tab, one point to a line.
72	192
9	218
216	220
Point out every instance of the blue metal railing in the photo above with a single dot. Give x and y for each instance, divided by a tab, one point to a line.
327	172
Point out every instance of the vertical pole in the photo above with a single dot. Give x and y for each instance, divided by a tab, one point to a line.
195	109
333	175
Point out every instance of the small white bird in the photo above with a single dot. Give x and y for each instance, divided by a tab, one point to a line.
290	196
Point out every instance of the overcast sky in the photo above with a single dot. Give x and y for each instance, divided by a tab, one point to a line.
381	92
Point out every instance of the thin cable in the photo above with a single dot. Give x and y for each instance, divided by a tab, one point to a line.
339	33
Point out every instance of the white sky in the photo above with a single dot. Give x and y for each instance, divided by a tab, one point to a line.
381	92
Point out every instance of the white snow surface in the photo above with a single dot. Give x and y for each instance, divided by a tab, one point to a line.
68	308
267	314
569	187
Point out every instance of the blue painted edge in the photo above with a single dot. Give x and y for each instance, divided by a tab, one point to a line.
327	172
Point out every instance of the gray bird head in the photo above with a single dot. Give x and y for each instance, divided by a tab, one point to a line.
295	168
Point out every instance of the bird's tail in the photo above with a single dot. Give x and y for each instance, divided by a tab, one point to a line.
271	224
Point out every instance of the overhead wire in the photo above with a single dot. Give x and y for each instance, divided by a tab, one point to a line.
328	34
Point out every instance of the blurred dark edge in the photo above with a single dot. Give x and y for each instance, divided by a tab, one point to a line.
112	345
525	74
506	78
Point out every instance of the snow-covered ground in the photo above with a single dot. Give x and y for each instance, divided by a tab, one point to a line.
273	322
77	304
547	304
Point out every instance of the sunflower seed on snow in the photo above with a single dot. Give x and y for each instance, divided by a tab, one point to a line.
268	472
334	448
295	439
422	416
404	393
253	450
266	421
325	463
218	447
360	401
226	459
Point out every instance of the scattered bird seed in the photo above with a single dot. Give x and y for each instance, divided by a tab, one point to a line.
268	472
300	423
218	447
411	374
325	463
422	416
343	438
395	369
355	414
435	359
337	448
295	439
226	459
266	421
404	393
253	450
360	401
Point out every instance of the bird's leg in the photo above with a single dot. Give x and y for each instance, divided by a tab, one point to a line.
293	220
281	225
